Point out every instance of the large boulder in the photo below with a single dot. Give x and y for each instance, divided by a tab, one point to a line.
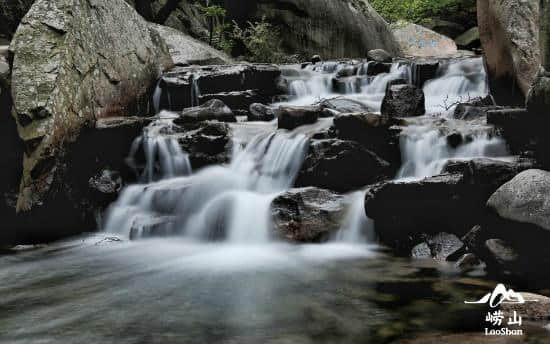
330	28
416	40
76	62
405	210
186	50
307	214
508	31
469	39
341	166
403	101
524	199
375	132
291	117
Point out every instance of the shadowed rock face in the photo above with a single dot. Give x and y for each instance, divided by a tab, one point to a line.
11	12
75	62
509	36
331	28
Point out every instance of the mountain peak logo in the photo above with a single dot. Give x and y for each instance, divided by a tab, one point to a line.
499	296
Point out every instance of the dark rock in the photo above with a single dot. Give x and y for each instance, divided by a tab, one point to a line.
207	143
237	100
501	252
346	71
106	182
403	101
260	112
400	208
221	79
474	239
454	139
423	70
315	59
375	68
346	85
212	110
421	251
307	214
380	55
11	13
340	165
291	117
444	27
375	132
468	262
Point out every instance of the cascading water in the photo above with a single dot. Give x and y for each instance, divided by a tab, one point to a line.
218	203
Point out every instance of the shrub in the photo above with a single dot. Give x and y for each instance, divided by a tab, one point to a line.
261	40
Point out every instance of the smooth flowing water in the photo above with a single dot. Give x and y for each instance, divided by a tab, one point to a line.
207	269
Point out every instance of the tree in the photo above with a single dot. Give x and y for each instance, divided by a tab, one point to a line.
213	13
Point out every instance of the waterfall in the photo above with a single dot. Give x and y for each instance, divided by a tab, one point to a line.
425	150
222	203
457	81
163	155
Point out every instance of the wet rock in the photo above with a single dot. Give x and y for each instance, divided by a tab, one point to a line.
150	226
346	71
375	68
474	109
238	86
316	58
291	117
186	50
501	252
403	101
423	69
307	214
260	112
438	247
106	182
508	32
469	40
61	86
340	165
237	100
213	109
375	132
468	262
380	55
454	139
344	105
536	307
400	208
207	143
524	199
474	239
416	40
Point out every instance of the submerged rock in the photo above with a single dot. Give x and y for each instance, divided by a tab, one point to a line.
341	166
403	101
213	109
307	214
75	62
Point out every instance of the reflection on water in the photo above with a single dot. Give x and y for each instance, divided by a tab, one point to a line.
91	290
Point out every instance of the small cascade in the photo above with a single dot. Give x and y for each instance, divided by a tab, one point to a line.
163	155
356	226
425	150
230	204
457	81
195	90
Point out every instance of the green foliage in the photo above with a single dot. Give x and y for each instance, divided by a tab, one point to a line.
213	11
262	41
460	11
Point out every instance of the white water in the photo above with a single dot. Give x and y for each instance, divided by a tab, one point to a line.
232	203
218	203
